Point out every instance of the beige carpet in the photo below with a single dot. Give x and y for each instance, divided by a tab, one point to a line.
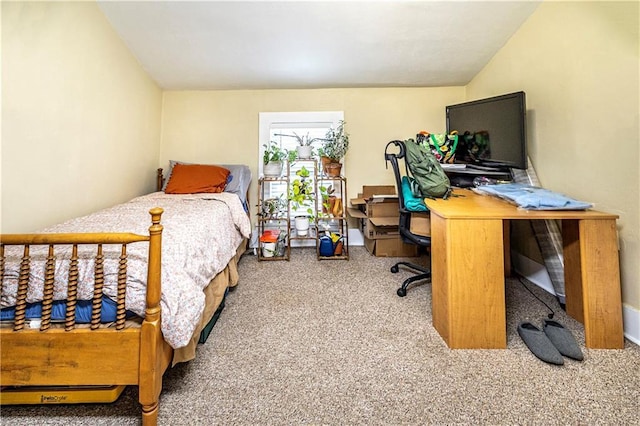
330	343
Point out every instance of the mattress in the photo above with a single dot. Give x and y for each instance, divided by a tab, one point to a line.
201	235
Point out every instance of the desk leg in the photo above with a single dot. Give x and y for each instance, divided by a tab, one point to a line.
592	280
468	296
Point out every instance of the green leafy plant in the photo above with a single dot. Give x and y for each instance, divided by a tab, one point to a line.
273	207
273	153
326	193
336	143
301	192
292	155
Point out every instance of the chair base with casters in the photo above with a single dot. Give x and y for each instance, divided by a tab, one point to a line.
404	225
423	274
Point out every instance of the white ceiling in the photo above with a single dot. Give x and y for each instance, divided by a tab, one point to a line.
314	44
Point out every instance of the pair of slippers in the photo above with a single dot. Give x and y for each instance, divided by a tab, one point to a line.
551	343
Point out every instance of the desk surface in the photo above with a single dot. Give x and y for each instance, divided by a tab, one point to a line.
466	204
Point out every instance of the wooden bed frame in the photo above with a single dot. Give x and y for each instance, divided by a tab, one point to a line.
97	356
93	356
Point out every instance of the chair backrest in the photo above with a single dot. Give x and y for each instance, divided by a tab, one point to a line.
404	224
393	158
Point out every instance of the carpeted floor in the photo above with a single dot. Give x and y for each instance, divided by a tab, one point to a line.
329	342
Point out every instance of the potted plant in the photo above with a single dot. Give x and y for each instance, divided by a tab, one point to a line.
301	195
273	207
292	155
273	159
334	149
328	199
305	144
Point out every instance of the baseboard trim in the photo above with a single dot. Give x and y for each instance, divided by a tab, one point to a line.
532	271
537	274
631	321
355	237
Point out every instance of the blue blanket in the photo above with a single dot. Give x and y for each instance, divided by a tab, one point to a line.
532	197
59	310
411	202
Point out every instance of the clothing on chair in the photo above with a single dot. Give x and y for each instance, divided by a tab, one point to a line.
411	202
431	179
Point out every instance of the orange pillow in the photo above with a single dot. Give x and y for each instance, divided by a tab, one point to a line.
196	178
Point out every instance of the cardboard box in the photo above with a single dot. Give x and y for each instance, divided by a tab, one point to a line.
376	210
378	215
373	191
377	226
420	224
390	247
381	227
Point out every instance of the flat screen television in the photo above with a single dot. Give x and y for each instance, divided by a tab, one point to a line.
492	131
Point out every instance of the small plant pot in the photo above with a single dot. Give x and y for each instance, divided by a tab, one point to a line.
324	161
304	152
272	169
333	169
339	248
268	249
302	225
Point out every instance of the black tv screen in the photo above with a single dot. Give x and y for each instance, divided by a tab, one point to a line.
492	131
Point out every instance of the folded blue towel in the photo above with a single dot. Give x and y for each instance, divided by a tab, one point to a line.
533	198
411	202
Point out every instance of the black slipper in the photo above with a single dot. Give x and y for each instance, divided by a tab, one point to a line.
563	340
538	343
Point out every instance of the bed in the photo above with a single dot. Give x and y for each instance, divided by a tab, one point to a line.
114	298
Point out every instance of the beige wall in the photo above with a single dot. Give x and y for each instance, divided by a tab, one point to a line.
578	64
80	118
222	126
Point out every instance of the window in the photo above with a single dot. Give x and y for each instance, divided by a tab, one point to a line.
275	124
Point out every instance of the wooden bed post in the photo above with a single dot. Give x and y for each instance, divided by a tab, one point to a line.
151	342
159	180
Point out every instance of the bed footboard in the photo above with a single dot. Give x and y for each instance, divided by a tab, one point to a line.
34	353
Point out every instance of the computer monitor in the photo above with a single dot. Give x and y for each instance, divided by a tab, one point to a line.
492	131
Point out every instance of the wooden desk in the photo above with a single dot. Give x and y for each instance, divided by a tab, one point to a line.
468	267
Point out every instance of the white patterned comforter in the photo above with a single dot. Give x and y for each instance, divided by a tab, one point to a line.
201	234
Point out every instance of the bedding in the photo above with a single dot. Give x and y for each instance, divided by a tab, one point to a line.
200	237
59	310
197	178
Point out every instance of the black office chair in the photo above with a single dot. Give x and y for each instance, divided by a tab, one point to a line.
404	226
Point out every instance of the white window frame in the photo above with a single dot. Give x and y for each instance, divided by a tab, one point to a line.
293	119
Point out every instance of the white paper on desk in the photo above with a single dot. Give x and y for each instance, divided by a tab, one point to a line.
449	166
